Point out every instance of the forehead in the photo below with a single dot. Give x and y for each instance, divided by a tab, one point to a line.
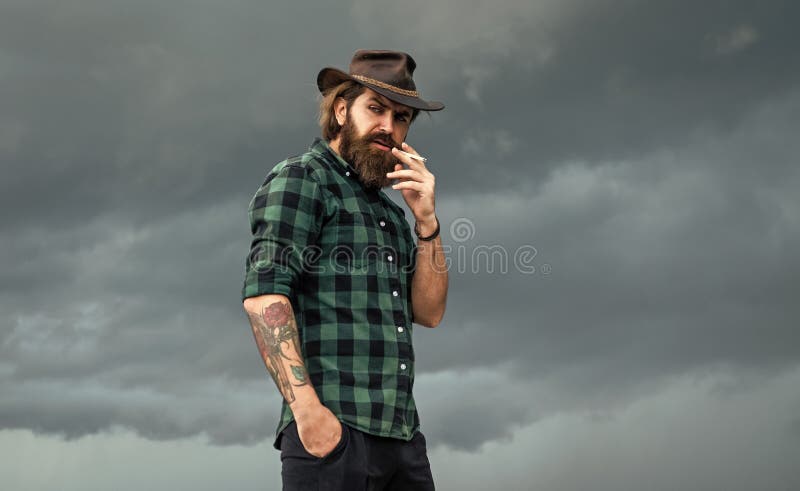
370	94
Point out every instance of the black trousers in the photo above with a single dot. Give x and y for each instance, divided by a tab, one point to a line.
360	462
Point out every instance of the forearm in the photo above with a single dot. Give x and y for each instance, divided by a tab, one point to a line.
275	331
429	285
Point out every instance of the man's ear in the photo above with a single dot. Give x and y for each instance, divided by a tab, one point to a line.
340	110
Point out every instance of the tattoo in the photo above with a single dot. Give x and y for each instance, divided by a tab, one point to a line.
276	335
299	373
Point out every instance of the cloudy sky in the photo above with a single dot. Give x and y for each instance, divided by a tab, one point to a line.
617	182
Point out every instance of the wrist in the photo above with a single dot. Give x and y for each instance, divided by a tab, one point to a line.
304	408
427	230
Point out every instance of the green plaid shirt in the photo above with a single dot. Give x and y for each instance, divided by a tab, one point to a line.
344	256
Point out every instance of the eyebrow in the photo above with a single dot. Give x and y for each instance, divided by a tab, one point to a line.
401	112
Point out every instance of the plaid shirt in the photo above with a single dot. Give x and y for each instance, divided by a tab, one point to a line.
344	256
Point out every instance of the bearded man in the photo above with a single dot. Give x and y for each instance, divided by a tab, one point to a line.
335	279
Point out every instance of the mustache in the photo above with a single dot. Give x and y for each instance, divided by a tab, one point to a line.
386	140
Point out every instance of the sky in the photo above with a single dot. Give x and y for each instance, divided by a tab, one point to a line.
616	182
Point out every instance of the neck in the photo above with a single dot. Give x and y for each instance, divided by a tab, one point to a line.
335	145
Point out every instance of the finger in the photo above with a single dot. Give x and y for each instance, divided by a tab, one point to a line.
412	163
414	167
407	173
408	148
416	186
397	168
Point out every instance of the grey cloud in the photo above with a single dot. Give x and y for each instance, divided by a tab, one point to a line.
601	97
709	432
468	406
735	40
225	412
660	267
138	109
689	435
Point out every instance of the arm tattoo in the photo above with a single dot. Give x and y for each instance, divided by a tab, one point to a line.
276	335
299	373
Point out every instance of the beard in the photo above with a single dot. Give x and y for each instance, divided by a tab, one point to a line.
371	163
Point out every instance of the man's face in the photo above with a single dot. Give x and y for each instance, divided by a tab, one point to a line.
373	125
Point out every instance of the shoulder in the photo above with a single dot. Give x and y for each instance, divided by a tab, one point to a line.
298	179
307	166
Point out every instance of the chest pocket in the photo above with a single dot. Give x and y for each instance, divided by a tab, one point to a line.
357	239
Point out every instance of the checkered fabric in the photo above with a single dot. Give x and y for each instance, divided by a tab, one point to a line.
344	255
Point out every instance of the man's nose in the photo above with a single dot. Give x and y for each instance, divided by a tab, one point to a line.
387	123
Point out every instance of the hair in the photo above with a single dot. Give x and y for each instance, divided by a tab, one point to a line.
349	90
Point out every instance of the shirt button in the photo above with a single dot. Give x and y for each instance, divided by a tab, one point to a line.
399	328
394	293
383	224
389	258
347	173
402	366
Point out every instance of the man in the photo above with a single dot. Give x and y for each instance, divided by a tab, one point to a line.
334	281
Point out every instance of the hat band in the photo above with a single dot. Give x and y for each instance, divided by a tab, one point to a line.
383	85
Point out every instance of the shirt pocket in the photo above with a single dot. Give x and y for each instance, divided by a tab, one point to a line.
357	241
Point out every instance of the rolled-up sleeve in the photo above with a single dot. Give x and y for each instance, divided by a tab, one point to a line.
285	216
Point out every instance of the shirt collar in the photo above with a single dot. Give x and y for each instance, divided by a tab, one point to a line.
322	147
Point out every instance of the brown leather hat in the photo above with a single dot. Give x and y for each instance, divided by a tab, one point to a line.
388	73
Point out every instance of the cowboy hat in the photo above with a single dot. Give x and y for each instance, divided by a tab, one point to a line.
388	73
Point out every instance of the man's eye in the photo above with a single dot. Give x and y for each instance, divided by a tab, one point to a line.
375	109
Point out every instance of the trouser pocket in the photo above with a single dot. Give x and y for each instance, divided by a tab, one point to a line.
343	468
292	446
